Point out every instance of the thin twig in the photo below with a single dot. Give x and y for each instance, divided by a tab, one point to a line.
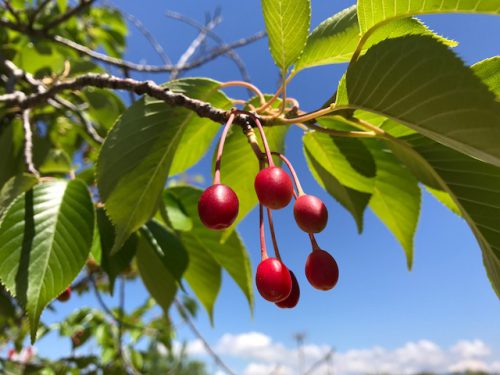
68	14
211	55
119	321
185	316
28	144
36	11
11	10
57	102
233	55
193	47
144	31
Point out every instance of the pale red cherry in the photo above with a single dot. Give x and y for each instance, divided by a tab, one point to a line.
273	280
310	213
274	187
322	270
218	207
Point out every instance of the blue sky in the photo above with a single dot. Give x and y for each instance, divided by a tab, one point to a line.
445	300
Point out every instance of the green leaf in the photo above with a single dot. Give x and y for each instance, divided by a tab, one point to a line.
489	72
343	164
419	82
240	166
445	198
374	12
199	133
104	106
168	247
178	219
11	150
287	26
156	277
396	198
13	188
336	38
112	264
45	239
475	188
56	161
141	149
231	254
354	201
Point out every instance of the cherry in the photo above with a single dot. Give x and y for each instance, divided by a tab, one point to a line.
11	354
273	187
273	280
218	207
65	296
292	300
310	213
322	270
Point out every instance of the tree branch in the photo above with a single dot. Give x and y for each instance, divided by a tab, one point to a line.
36	11
57	102
150	88
68	14
145	68
195	44
28	144
233	55
185	316
144	31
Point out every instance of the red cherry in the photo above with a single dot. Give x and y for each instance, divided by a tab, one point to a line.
273	187
218	207
11	353
322	270
273	280
310	213
64	296
292	300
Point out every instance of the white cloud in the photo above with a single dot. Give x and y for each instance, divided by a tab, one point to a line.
471	349
262	356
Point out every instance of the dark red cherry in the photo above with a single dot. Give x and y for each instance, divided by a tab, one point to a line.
322	270
310	213
273	280
292	300
218	207
273	187
65	296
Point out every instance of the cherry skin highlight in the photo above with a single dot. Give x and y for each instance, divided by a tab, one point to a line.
273	280
274	187
310	213
65	296
322	270
292	300
218	207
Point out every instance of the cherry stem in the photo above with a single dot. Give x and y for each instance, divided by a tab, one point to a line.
292	171
263	249
221	148
264	141
248	86
273	234
314	244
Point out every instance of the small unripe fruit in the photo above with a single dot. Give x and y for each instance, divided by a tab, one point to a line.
65	296
218	207
274	188
310	213
322	270
273	280
292	300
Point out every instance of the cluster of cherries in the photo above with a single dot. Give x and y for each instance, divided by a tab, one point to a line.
218	209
